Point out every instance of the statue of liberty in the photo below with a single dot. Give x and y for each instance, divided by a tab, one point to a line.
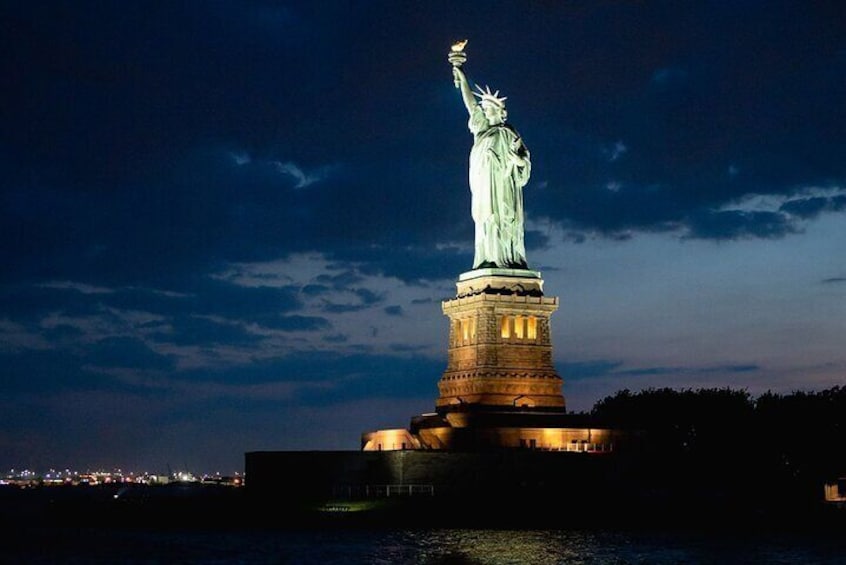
499	169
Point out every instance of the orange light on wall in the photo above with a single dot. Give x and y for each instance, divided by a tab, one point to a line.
390	440
466	329
531	327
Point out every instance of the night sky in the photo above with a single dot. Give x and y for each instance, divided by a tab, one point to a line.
229	226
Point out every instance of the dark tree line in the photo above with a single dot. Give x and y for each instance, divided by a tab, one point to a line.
720	442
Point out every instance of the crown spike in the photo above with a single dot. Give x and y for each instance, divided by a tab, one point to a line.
485	95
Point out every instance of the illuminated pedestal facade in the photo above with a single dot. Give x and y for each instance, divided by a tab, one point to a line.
500	388
500	353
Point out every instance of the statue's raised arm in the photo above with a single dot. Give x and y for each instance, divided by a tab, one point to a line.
457	57
464	87
499	169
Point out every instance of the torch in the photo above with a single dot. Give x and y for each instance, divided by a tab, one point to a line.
457	56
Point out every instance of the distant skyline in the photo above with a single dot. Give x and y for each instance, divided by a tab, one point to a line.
229	226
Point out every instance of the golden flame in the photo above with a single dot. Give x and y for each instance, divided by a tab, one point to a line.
458	47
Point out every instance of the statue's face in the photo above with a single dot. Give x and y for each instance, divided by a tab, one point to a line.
493	113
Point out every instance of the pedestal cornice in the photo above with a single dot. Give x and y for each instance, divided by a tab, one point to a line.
516	281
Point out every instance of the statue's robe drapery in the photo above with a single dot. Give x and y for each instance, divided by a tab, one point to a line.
496	185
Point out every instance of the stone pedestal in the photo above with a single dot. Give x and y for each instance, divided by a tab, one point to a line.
500	353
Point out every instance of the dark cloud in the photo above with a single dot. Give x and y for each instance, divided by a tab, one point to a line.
586	370
26	301
591	370
315	289
658	371
347	377
336	338
812	207
409	264
342	280
393	310
379	377
129	353
343	308
736	224
57	372
192	330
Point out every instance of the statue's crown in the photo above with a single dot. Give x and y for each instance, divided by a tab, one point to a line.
485	95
